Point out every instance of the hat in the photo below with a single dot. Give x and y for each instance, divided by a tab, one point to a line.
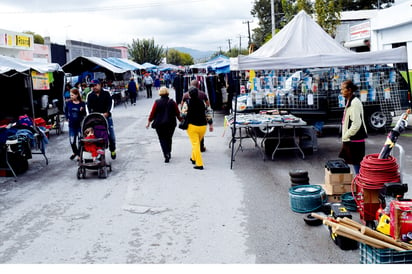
94	82
163	91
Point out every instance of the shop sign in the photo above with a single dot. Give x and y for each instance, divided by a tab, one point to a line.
14	40
23	41
40	81
360	31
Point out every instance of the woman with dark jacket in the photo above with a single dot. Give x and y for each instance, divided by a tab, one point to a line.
163	118
198	115
353	127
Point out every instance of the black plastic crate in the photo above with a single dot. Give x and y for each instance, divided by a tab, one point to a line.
337	166
372	255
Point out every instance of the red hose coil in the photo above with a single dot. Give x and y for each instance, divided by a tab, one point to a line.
375	172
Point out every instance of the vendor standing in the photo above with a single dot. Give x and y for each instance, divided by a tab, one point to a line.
353	127
101	101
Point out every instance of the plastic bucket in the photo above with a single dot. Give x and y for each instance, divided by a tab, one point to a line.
306	198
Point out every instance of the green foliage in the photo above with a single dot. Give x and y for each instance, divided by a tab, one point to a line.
328	15
142	51
178	58
38	39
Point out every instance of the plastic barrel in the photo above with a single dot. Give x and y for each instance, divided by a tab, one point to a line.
306	198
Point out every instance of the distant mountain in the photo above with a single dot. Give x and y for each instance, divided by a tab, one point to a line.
198	55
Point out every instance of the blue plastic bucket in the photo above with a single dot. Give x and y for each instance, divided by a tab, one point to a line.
306	198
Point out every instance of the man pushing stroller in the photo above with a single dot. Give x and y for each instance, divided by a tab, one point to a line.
101	101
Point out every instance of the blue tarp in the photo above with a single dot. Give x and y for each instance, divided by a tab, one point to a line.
221	64
123	64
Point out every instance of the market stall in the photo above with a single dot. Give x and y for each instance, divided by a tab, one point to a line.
33	95
302	68
300	71
114	73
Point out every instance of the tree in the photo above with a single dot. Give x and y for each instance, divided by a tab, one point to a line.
38	39
145	50
261	10
179	58
328	15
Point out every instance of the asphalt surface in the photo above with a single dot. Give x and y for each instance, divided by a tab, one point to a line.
148	211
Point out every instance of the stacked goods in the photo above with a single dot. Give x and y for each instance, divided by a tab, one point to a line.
338	179
299	177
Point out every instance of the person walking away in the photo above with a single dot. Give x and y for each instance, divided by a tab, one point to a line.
157	82
178	86
75	111
163	118
132	90
353	127
202	96
167	79
148	83
101	101
198	117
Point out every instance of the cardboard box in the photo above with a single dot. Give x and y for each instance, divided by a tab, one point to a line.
337	178
337	189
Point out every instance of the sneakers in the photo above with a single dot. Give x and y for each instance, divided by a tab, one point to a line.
198	167
113	154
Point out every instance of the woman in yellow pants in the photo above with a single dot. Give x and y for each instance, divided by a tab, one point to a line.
198	117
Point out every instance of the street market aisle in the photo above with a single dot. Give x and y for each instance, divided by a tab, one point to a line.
146	211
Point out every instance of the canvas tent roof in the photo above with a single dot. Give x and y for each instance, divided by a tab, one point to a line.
120	63
132	63
82	64
302	43
9	64
219	63
149	66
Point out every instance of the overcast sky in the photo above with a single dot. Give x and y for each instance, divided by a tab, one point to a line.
197	24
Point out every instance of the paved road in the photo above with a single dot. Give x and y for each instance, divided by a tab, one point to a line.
148	211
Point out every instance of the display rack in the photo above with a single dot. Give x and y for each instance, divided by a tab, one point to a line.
317	90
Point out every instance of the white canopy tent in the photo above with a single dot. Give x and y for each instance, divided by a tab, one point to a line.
302	43
12	64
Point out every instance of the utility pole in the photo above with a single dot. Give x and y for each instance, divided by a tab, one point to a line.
272	12
248	29
229	43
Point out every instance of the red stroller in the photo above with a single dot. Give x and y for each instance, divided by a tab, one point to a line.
98	123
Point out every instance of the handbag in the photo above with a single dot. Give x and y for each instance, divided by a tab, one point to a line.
184	124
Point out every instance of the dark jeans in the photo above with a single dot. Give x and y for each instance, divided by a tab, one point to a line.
133	96
165	135
149	91
74	134
112	137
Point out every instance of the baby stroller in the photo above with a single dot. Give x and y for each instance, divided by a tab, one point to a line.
99	124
